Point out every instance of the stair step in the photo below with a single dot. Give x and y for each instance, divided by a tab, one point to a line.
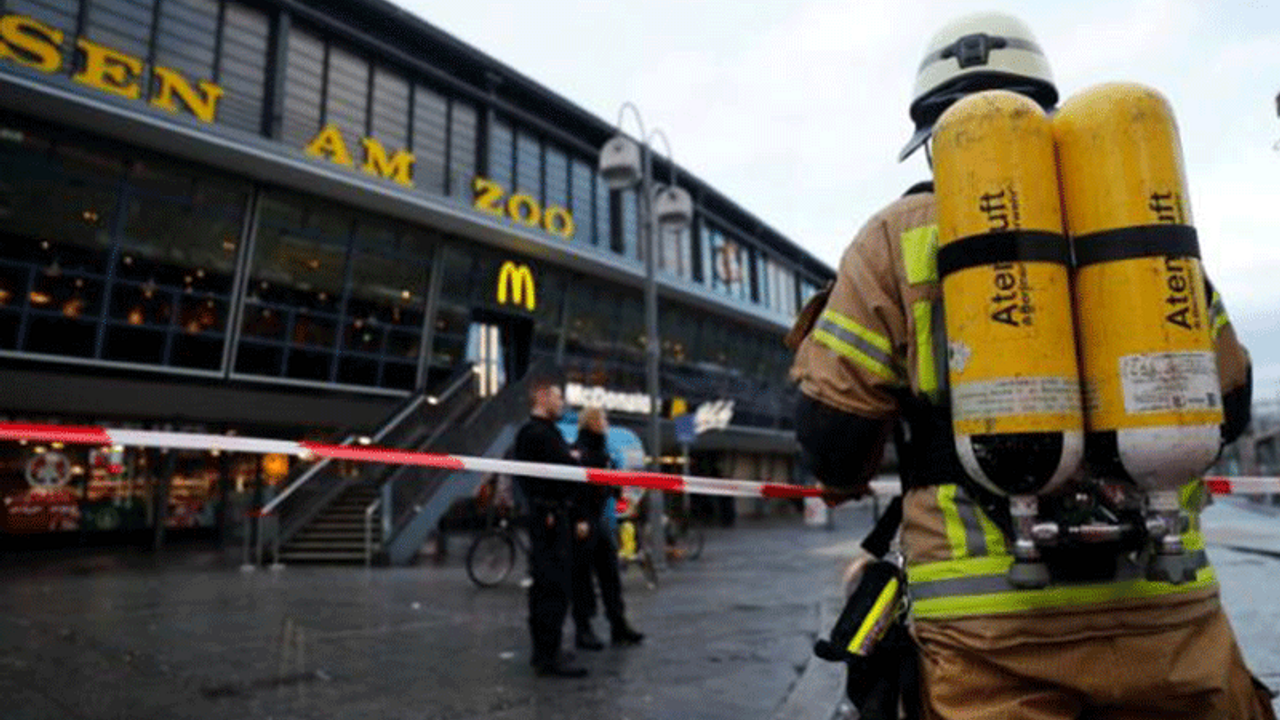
322	556
314	543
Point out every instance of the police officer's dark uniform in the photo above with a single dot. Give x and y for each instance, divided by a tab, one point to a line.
551	509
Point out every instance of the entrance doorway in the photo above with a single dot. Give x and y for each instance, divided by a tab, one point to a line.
498	348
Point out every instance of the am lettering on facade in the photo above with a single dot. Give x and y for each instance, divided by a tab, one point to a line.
31	43
329	144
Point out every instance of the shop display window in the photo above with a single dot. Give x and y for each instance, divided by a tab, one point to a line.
52	488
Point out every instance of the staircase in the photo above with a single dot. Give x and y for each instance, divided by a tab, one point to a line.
323	515
337	533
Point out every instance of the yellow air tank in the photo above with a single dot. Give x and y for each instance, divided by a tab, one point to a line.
1004	266
1150	378
1152	398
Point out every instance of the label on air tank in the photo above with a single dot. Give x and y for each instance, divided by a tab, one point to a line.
1005	397
1170	381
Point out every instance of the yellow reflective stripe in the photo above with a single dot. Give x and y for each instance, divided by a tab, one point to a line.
876	340
995	538
953	569
854	354
887	594
926	373
920	254
1218	323
1059	597
951	521
1217	316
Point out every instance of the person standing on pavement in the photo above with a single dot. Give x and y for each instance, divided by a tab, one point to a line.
869	360
597	554
551	513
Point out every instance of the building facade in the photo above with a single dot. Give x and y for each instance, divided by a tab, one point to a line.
285	216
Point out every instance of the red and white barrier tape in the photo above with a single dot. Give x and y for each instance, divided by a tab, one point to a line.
79	435
392	456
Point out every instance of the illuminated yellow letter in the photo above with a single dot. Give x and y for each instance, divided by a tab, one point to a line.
559	222
204	108
516	280
37	42
109	70
329	145
398	168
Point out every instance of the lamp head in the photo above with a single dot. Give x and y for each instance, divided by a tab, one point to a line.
673	207
620	163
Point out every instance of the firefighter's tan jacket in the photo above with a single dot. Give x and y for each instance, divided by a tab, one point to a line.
880	336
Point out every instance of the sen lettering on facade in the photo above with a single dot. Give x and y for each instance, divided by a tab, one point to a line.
31	43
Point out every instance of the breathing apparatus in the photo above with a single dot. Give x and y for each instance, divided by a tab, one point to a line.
1082	379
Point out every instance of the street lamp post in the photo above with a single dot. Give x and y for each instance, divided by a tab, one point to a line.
623	164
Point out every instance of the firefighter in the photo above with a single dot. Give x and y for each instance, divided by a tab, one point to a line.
872	363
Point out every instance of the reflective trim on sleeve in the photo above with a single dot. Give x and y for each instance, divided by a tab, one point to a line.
920	254
1217	316
955	528
926	370
864	347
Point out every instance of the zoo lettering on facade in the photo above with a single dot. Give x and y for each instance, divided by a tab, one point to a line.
522	209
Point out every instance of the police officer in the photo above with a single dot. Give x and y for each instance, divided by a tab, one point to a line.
872	358
551	513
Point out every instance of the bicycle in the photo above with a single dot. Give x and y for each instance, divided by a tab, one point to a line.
492	555
682	539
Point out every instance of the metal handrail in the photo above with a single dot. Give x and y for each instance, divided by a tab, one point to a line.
368	530
268	510
316	468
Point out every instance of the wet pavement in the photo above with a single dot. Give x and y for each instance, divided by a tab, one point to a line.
729	636
125	635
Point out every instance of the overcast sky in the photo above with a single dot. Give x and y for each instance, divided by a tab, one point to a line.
796	109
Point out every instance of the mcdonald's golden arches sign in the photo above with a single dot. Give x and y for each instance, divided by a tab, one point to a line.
515	285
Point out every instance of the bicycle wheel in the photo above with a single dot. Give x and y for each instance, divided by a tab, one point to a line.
684	541
491	558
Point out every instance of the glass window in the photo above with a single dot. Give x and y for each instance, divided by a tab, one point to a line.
347	93
382	335
603	215
462	149
56	241
303	83
334	295
175	268
583	202
764	262
453	316
557	185
430	120
242	66
528	165
123	25
165	300
501	153
185	37
674	254
390	112
295	291
626	227
730	265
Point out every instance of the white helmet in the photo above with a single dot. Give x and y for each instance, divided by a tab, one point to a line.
974	53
